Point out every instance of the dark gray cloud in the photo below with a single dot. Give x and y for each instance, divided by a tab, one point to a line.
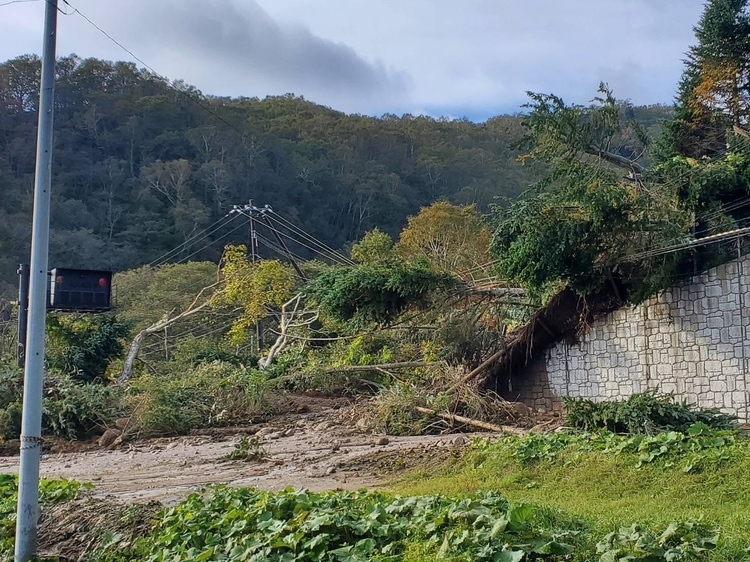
452	57
252	50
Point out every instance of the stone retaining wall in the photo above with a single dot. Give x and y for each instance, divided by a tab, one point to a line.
690	340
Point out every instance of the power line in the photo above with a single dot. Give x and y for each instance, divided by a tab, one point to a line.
312	249
16	2
291	226
271	246
183	260
707	240
334	257
194	239
190	332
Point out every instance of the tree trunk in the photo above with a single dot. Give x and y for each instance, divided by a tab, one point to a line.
135	347
474	423
288	319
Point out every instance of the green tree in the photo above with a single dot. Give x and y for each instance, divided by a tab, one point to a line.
376	247
450	238
714	93
579	227
375	294
254	287
82	347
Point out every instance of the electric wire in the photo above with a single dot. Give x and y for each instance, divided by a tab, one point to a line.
312	249
211	243
17	2
276	248
296	241
194	239
335	258
293	227
192	332
729	235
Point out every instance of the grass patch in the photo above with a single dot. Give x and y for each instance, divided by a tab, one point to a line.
607	488
212	394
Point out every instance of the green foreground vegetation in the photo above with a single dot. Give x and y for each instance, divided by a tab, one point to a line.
579	497
606	483
657	494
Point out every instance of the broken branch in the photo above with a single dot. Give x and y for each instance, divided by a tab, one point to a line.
468	421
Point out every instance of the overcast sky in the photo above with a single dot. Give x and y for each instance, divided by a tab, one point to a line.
455	58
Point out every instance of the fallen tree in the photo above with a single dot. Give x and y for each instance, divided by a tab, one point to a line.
291	318
453	418
137	344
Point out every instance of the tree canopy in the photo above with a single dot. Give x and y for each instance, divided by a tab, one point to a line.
613	198
714	93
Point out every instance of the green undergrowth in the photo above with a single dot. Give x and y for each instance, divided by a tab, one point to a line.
228	524
612	481
646	412
248	525
50	491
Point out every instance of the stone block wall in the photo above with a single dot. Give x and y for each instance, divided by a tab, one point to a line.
691	341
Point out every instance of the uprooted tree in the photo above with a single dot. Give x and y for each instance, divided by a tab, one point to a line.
293	316
252	289
202	301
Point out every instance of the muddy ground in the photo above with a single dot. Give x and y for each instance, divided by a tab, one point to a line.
311	450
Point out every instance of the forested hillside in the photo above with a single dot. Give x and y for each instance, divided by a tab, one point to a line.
141	165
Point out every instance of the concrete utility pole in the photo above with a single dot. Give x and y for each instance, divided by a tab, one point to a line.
31	425
253	258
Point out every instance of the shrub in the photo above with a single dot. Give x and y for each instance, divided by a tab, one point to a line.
82	347
71	410
192	351
369	349
212	394
647	413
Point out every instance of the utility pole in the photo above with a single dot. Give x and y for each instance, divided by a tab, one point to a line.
27	517
253	236
253	258
23	312
251	211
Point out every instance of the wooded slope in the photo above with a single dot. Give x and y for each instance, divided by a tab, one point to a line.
141	164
